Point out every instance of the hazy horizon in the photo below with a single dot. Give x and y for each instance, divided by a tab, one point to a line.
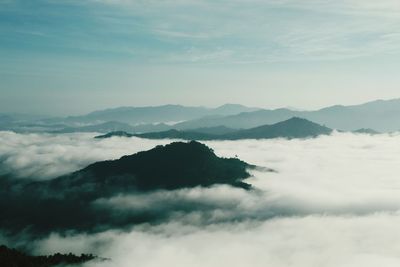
295	108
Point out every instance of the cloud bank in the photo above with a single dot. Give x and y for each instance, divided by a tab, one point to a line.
329	241
333	201
46	156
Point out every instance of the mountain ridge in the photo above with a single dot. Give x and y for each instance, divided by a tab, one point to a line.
380	115
292	128
153	114
73	199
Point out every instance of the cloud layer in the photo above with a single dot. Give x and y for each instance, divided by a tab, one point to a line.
333	201
175	31
328	241
46	156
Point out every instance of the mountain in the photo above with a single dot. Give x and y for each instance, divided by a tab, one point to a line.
173	166
242	120
381	115
230	109
151	115
217	130
292	128
74	201
366	131
112	134
195	134
14	258
176	134
111	126
100	128
15	121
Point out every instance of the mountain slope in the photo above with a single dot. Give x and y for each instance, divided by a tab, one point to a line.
151	114
292	128
175	134
101	128
75	201
240	121
381	115
173	166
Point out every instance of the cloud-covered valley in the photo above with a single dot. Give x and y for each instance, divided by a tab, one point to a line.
332	201
46	156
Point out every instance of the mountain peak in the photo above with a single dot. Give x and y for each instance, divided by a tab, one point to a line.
231	105
172	166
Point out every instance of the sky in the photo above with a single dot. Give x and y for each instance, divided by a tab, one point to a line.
63	57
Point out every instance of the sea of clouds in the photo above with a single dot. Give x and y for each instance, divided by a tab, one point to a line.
332	201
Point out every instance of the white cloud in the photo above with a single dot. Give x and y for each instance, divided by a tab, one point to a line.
334	201
45	156
269	31
328	241
339	173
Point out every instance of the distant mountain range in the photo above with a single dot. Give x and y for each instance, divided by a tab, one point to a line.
380	116
292	128
151	115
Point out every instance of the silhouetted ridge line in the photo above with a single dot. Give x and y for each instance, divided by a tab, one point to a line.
173	166
14	258
71	202
292	128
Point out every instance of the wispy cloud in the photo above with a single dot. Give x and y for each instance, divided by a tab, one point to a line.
252	31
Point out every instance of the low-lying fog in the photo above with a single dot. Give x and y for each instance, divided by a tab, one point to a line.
333	201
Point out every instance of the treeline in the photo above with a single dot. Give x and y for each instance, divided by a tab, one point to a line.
14	258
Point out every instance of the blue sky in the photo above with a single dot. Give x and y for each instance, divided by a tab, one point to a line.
71	57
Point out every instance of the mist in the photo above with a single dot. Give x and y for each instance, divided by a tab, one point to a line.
331	201
290	241
46	156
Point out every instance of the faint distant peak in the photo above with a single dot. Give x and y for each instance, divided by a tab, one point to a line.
292	108
231	105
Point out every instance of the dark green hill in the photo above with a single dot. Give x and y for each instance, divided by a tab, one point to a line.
173	166
69	202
